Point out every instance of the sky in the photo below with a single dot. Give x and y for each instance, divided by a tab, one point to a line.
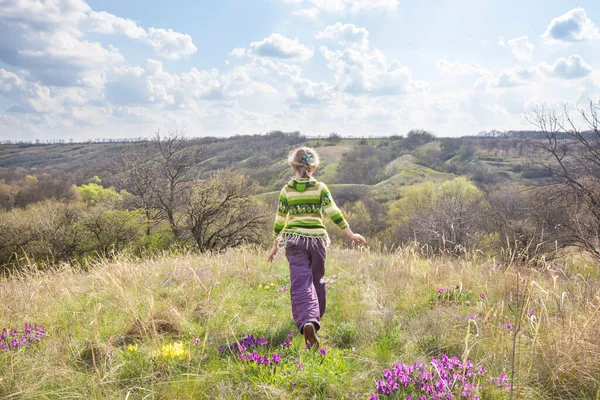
71	69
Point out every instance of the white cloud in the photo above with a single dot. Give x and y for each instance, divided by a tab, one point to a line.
513	77
105	23
458	68
370	73
238	52
520	47
567	68
564	68
256	90
311	13
170	44
35	97
279	46
6	119
340	6
346	35
49	39
574	26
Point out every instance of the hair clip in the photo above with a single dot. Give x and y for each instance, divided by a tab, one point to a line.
307	159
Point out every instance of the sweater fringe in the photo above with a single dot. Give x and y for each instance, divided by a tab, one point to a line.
295	238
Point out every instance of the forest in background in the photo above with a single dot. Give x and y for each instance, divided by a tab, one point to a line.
499	192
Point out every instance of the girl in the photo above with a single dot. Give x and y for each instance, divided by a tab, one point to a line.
299	227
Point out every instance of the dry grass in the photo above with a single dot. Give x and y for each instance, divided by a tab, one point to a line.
382	309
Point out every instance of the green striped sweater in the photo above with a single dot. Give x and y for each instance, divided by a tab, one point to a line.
300	209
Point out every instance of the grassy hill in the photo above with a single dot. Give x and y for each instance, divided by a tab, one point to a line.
153	329
263	157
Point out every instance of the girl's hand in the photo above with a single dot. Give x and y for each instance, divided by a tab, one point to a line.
355	237
272	254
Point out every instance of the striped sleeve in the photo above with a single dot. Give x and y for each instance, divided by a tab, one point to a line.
281	216
331	209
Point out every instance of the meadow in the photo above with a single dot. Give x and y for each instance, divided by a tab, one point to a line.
177	326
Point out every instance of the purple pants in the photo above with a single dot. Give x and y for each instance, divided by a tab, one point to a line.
307	289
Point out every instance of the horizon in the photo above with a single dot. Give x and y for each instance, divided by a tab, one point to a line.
71	69
63	141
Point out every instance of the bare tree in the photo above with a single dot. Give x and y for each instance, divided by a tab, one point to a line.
223	213
135	175
573	163
159	174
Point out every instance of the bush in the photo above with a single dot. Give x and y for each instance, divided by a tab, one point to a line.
222	213
446	217
108	231
46	233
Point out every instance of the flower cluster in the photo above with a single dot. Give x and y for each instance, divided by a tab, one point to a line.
256	358
457	294
173	351
15	338
509	325
249	342
283	289
268	286
444	378
241	350
132	348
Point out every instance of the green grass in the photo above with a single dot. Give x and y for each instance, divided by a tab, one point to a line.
382	308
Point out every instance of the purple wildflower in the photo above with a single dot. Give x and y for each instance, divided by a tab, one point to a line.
451	379
291	334
293	384
276	358
287	342
323	352
502	378
299	365
509	325
481	296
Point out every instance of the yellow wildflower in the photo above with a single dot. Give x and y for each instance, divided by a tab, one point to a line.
174	351
132	348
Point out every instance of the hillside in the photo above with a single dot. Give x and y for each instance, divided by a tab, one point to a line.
263	158
153	329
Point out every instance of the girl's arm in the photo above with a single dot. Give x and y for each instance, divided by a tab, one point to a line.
273	251
335	214
280	219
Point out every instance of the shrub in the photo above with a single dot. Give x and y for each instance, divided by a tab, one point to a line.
446	216
223	213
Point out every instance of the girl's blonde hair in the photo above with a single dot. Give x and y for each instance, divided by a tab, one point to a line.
304	160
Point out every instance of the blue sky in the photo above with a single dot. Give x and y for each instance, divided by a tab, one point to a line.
99	69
